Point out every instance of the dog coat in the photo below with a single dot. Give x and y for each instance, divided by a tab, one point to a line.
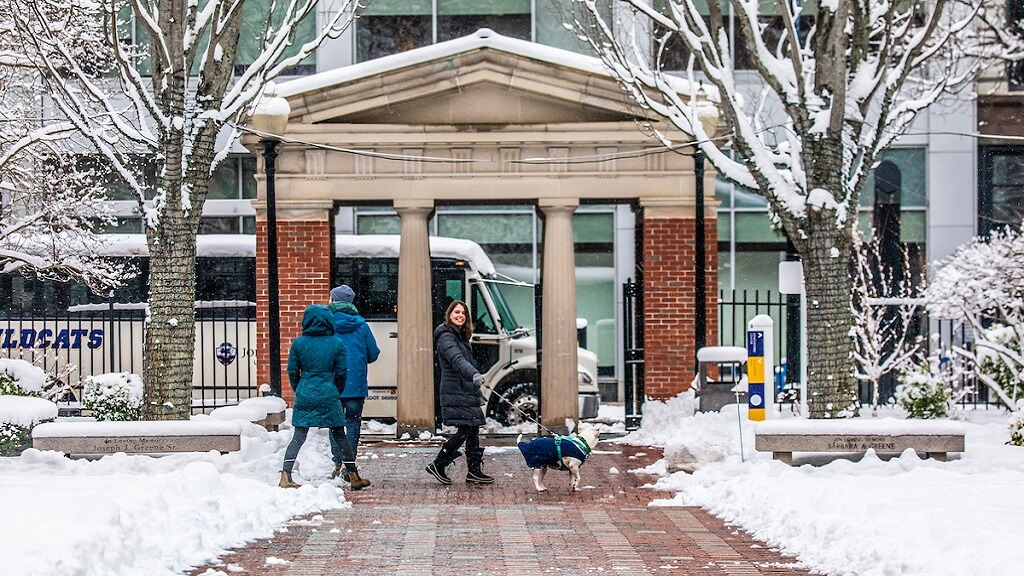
548	452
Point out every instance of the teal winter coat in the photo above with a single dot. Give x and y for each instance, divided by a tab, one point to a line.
360	347
316	371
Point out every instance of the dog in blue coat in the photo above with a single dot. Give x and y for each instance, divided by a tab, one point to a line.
559	452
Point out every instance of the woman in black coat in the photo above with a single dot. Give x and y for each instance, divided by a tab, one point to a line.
461	398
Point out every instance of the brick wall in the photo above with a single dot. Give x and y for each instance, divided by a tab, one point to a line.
304	276
670	354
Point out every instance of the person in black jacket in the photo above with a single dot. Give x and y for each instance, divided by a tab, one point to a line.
461	398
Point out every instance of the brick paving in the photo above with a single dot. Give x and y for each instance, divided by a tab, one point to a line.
408	524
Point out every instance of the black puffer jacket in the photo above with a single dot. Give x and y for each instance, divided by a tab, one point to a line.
460	398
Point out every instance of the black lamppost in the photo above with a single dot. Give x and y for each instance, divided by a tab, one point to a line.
270	120
700	325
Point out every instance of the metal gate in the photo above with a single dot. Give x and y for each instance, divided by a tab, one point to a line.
633	352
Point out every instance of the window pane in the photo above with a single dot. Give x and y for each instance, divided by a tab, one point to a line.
593	227
378	225
550	23
224	182
910	163
378	36
248	177
457	18
397	8
756	227
219	225
487	228
256	17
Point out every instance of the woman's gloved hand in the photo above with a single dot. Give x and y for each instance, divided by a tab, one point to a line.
478	379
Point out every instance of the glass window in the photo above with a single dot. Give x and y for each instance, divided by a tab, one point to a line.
392	26
457	18
907	174
234	178
219	225
1015	19
483	322
1001	187
487	228
378	224
256	18
756	227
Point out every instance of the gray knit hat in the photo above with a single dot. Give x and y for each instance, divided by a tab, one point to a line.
342	294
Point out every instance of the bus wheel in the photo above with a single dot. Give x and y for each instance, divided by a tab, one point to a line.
523	400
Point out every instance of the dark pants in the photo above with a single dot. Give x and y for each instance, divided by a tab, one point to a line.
340	448
353	421
468	434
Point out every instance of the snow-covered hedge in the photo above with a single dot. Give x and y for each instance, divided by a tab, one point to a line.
113	396
1017	425
982	285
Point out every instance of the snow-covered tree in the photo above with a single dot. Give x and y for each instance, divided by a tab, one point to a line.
884	309
175	83
982	284
49	204
837	83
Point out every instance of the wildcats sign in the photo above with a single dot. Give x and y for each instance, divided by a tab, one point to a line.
67	338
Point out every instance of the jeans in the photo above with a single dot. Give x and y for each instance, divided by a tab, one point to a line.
340	449
353	421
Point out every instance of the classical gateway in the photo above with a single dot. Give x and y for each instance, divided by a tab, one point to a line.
484	118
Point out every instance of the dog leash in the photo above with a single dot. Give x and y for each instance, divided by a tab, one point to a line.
520	410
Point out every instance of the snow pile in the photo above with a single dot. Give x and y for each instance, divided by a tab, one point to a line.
126	514
26	411
113	396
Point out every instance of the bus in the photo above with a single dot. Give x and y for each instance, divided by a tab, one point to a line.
71	332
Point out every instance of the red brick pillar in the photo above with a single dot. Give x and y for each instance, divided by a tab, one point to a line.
304	276
670	353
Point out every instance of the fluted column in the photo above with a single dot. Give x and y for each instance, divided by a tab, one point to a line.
415	410
559	384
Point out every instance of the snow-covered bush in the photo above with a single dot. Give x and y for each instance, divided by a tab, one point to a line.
1000	367
1017	425
925	390
114	396
982	285
18	414
21	378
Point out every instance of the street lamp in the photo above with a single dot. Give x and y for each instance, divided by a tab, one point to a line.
700	282
270	119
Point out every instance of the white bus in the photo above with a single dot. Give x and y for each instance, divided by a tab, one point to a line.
72	333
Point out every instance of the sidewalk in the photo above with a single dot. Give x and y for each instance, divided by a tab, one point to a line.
408	524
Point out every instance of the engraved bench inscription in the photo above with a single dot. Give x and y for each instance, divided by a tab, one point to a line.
782	439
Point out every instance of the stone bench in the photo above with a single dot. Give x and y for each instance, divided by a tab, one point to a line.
782	438
157	437
267	411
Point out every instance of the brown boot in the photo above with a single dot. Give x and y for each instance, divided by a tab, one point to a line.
356	482
286	481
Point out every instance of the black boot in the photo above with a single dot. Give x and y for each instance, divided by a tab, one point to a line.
443	459
474	458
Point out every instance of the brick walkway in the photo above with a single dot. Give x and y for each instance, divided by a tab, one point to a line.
408	524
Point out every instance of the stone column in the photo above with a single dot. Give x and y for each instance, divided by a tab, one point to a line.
415	333
559	381
304	275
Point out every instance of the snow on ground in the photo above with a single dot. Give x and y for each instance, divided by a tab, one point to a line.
890	516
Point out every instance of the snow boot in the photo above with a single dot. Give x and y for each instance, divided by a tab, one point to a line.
443	459
474	458
338	472
356	482
287	482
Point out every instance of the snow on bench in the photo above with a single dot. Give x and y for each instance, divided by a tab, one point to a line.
149	437
266	411
884	435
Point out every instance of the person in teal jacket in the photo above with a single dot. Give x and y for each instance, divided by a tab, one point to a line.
316	371
360	350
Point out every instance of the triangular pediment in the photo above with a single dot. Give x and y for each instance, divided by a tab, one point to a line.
483	79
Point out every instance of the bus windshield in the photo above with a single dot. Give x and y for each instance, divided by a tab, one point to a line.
523	297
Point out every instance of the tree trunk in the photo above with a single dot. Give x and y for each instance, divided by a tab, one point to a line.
170	331
825	249
831	388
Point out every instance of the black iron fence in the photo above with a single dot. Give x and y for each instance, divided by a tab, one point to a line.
104	338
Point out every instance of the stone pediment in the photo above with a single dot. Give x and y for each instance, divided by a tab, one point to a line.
482	79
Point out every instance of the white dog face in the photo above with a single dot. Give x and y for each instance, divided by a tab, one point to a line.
590	436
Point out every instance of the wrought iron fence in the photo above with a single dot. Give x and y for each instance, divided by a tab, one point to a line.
104	338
